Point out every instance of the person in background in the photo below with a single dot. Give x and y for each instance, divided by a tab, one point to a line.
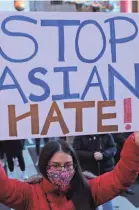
16	162
14	149
2	154
96	155
70	139
64	186
120	139
37	143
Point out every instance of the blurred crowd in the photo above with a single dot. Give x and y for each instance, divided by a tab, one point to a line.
97	154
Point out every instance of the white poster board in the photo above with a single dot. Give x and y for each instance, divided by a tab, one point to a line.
68	74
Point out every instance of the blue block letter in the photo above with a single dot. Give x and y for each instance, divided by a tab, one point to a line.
66	84
36	81
113	73
98	84
83	24
16	85
113	40
60	24
19	34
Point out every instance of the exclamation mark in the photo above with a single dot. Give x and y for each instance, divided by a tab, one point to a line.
127	113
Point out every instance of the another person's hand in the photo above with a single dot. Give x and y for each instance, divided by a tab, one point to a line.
34	179
137	137
98	156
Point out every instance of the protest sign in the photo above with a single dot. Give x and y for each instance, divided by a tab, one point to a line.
68	74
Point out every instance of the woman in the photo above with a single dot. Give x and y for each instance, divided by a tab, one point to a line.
64	186
96	154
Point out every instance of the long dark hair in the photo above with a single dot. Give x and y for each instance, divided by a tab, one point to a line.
80	193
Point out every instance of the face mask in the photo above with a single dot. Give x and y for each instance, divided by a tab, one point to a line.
60	178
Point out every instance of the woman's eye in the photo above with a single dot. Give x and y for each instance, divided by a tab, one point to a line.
56	166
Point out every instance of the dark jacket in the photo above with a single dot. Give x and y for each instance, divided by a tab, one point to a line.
12	147
120	139
86	146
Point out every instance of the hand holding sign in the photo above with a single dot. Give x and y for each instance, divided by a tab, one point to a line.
137	137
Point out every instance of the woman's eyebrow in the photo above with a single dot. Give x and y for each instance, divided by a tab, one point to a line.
60	162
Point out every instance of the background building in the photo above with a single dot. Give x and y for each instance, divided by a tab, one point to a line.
9	5
71	5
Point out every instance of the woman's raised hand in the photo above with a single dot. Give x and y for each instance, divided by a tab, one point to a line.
137	137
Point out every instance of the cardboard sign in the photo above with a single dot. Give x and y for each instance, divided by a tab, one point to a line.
68	74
